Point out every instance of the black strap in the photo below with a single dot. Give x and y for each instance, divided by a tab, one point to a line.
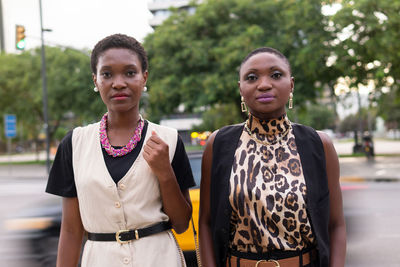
131	234
301	259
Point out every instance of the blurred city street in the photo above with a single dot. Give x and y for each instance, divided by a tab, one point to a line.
370	198
330	65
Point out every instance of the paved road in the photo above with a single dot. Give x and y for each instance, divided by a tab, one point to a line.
370	207
372	216
360	169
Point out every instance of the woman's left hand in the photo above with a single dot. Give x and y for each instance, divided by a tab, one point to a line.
156	153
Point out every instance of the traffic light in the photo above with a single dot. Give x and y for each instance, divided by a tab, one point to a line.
20	37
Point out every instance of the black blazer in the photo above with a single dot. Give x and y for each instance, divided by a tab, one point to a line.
312	156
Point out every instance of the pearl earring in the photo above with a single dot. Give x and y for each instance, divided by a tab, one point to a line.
145	89
95	89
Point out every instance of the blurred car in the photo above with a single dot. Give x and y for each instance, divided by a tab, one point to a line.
37	228
186	239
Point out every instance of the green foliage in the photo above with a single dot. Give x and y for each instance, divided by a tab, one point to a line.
354	122
367	47
317	116
389	109
69	87
220	115
19	77
194	59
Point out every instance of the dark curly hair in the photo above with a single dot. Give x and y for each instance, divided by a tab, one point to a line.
266	50
118	41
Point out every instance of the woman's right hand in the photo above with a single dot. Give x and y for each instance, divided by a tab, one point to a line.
176	203
205	236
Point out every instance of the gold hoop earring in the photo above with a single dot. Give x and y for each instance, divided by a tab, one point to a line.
243	105
291	100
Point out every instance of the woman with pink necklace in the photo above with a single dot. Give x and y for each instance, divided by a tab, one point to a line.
124	180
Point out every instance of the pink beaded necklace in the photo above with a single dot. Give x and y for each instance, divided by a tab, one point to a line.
128	147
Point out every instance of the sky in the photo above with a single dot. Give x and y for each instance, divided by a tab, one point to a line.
77	23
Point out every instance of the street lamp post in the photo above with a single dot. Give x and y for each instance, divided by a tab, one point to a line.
2	48
44	86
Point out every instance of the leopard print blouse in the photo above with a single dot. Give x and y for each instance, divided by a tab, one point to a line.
268	190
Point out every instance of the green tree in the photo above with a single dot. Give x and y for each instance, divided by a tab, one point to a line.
70	87
218	116
194	58
365	120
367	48
317	116
389	109
69	84
18	80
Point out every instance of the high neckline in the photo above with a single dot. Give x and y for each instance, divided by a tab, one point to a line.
268	127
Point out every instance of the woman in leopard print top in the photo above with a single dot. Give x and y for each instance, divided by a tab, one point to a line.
276	215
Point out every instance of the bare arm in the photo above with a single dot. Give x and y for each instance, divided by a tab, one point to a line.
176	204
337	226
205	238
69	246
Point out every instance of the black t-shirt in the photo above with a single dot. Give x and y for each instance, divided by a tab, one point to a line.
61	178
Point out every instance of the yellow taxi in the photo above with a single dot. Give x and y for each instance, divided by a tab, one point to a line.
186	239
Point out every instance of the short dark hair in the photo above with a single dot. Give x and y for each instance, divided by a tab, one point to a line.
118	41
266	50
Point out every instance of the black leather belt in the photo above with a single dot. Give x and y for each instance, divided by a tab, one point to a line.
125	236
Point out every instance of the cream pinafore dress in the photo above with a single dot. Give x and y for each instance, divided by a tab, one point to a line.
135	202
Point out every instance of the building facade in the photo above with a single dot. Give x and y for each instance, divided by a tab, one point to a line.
161	9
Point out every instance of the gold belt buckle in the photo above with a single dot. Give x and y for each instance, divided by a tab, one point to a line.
117	237
258	262
274	261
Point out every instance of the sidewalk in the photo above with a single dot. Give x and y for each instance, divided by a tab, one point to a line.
380	147
352	169
342	148
25	157
24	170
